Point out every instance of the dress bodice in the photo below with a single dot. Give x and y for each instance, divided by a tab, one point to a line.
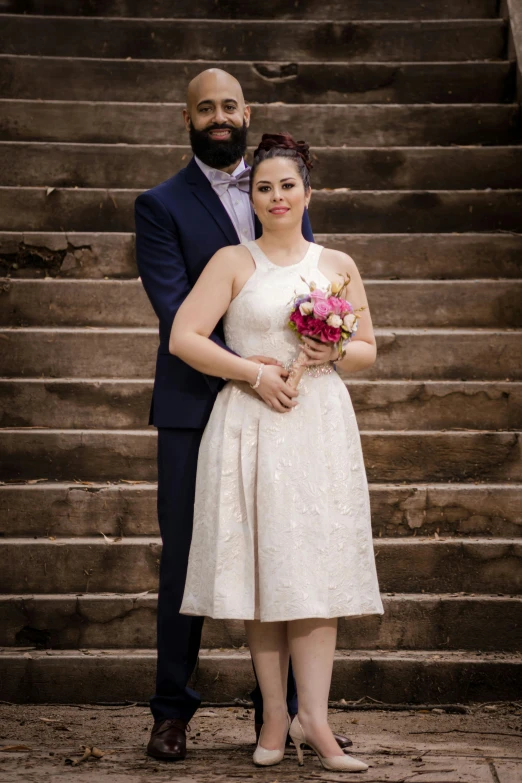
256	322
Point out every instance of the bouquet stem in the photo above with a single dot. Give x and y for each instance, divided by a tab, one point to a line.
297	370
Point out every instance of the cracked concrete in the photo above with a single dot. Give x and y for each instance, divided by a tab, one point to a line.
477	745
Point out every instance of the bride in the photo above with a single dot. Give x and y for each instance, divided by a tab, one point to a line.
282	535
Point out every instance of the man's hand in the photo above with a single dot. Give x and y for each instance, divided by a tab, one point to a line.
264	360
274	390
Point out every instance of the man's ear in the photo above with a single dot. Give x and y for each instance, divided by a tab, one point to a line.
186	119
246	115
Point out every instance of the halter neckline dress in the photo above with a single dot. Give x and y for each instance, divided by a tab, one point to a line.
282	527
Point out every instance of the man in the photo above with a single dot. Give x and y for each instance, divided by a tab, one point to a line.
180	224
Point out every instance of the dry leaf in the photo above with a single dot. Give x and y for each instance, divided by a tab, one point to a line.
13	748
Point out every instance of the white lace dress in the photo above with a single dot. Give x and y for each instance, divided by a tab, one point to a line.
282	516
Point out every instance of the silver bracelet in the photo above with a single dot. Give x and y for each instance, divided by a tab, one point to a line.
258	379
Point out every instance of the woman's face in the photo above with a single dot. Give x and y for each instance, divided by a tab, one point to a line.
278	194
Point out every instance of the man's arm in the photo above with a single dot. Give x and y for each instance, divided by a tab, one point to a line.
161	265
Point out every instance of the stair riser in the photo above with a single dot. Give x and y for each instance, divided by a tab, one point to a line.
408	623
56	78
103	353
132	566
96	455
300	41
387	406
106	166
486	304
123	510
97	677
275	9
351	126
429	256
33	209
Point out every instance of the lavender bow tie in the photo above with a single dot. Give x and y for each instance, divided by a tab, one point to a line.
222	181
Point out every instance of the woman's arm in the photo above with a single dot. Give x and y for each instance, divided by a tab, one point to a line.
195	321
361	352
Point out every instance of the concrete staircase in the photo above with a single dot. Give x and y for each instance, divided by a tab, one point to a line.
410	108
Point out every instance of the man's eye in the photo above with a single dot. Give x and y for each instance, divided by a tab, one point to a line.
231	108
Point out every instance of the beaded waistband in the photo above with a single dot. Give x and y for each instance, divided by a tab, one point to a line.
315	371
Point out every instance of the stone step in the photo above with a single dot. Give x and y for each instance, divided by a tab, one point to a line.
129	509
86	79
435	354
408	303
361	168
336	211
389	405
130	565
113	455
410	622
301	41
405	256
275	9
405	677
337	125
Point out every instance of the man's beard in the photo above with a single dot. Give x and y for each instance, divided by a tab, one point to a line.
219	154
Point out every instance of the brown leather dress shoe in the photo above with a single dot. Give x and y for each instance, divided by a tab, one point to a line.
168	740
343	742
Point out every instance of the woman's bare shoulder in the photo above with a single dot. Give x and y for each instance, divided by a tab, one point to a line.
228	258
338	262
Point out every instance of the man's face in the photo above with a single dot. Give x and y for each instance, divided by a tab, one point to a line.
217	120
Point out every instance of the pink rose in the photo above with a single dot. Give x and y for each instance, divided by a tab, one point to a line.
322	309
335	305
345	307
317	294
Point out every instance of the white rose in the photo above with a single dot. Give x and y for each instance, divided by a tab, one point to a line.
334	320
349	321
306	308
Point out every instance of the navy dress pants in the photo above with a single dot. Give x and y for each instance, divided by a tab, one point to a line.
179	636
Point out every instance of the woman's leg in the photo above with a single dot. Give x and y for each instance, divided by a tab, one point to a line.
269	649
312	647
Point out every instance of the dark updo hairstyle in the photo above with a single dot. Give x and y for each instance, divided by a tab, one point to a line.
283	145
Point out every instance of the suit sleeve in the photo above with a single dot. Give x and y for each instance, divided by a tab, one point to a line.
307	227
161	265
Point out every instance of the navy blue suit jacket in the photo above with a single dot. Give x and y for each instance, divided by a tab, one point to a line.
180	224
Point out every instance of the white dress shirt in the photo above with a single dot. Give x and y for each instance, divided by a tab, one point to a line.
236	202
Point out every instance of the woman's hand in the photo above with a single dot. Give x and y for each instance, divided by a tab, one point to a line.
274	390
318	353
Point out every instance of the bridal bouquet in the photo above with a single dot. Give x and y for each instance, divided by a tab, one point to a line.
324	316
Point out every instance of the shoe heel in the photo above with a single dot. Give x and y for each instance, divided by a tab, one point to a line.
300	754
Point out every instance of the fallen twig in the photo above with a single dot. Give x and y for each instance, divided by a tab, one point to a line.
468	731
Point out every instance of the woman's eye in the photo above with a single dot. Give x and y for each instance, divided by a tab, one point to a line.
263	188
288	185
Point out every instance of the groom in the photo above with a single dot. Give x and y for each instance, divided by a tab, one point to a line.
180	224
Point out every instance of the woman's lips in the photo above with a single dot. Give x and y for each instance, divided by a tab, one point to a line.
279	210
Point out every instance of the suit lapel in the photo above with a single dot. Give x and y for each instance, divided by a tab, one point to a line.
204	192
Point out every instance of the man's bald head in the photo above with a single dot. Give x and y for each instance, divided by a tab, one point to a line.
211	84
217	118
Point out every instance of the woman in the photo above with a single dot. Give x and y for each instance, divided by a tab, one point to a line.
282	535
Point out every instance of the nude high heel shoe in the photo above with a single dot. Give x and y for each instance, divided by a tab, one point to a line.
268	758
334	763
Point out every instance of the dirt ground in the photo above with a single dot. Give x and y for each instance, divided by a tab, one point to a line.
44	744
